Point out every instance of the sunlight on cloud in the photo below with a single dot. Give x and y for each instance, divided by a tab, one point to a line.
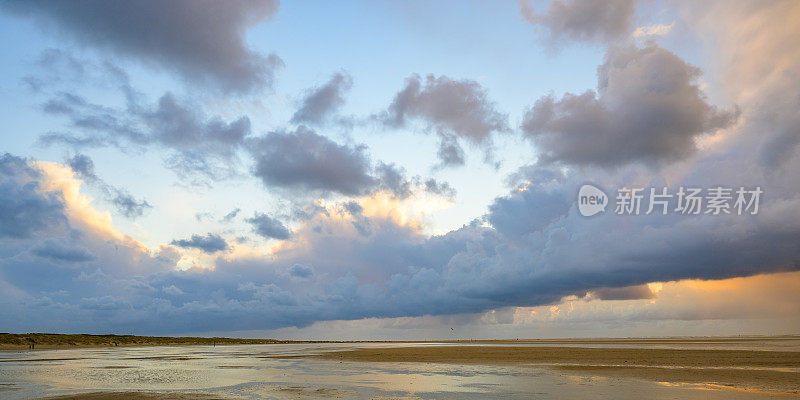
652	30
409	212
59	178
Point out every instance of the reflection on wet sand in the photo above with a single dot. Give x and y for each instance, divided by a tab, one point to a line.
748	369
732	369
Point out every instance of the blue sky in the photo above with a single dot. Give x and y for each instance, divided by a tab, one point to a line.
358	216
390	42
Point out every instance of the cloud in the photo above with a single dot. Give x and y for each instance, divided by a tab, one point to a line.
582	21
83	166
172	290
199	145
206	148
50	60
231	215
301	271
393	179
210	243
321	102
531	252
647	108
353	207
442	189
201	41
750	306
624	293
24	208
268	227
67	240
58	251
652	30
394	270
537	204
450	151
124	202
128	206
454	109
304	160
756	69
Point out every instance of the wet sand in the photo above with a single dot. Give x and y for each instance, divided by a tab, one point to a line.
135	396
618	369
773	371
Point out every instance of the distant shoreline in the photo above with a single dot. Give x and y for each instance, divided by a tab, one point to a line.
23	341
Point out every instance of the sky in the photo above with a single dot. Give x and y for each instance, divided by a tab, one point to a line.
399	170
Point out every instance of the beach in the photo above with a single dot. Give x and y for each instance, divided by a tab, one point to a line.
744	369
666	368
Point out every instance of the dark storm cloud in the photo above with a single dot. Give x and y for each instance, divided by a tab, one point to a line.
624	293
307	161
582	21
24	209
321	102
210	243
268	227
648	107
534	206
391	270
58	251
203	41
453	109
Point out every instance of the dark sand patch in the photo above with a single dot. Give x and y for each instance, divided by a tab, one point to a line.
15	360
304	392
135	396
293	391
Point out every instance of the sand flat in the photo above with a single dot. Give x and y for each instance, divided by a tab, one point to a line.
777	371
618	369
